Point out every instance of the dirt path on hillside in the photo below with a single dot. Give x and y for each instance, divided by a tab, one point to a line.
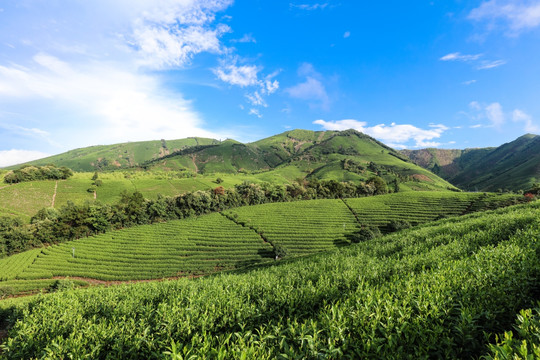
54	195
95	195
3	187
195	164
321	136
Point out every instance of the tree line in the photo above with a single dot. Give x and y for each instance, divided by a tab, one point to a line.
73	221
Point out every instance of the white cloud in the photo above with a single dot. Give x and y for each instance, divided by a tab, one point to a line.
485	64
255	112
495	115
521	116
309	7
394	134
247	38
14	157
490	64
163	48
513	16
469	82
169	33
256	99
312	89
475	105
248	76
243	75
111	103
460	57
90	76
347	34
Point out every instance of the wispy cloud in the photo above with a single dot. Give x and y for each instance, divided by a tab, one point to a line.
495	115
473	58
456	56
112	104
526	119
492	115
346	34
247	38
255	112
394	135
13	156
513	17
311	89
240	75
309	7
469	82
485	65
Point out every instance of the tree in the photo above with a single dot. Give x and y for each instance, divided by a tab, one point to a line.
379	184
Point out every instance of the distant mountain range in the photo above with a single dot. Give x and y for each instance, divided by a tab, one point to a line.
511	166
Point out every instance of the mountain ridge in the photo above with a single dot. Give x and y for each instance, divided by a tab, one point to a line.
512	166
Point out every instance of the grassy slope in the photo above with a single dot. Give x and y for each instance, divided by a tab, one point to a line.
118	155
429	292
515	165
512	166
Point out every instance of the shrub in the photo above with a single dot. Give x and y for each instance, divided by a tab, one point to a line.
396	225
365	233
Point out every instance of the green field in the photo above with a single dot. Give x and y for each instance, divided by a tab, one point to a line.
27	198
442	290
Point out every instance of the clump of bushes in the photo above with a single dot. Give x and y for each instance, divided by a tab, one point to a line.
365	233
32	173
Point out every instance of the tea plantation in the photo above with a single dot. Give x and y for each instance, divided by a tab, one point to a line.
440	290
234	239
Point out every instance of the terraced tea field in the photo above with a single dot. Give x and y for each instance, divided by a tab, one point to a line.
302	227
236	238
178	248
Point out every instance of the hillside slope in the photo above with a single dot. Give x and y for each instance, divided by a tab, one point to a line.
124	155
512	166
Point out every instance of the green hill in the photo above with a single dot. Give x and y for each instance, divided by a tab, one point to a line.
511	166
338	155
125	155
438	291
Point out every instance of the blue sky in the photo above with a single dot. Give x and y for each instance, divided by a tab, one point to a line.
413	74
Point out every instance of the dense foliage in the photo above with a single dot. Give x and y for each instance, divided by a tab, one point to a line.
437	291
32	173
